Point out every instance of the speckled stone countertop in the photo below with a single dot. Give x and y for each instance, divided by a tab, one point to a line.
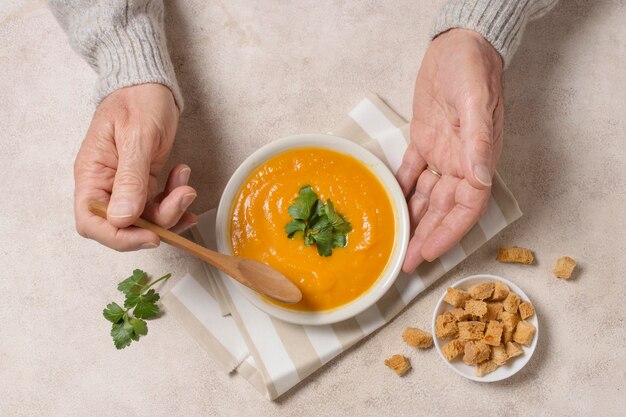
253	71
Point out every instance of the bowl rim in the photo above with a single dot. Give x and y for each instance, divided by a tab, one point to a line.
380	171
521	361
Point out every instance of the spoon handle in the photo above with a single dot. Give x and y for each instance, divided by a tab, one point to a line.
216	259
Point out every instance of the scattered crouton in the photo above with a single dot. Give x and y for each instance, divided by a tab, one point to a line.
476	308
515	255
456	297
526	310
399	363
446	325
452	349
564	267
476	352
484	368
417	338
481	291
493	335
460	314
524	333
499	355
471	330
511	303
513	350
500	291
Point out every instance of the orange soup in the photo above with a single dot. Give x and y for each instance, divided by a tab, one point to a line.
260	215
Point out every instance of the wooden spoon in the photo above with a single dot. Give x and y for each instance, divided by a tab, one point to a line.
254	275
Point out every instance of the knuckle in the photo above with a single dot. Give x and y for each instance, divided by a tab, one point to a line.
130	181
81	229
483	144
140	137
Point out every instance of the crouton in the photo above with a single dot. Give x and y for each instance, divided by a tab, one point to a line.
484	368
564	267
476	308
507	336
500	291
509	320
493	310
471	330
515	255
460	314
493	335
513	350
511	302
481	291
445	325
475	353
524	333
399	363
526	310
455	297
452	349
499	355
417	338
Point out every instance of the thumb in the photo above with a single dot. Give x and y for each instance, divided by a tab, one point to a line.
130	187
477	137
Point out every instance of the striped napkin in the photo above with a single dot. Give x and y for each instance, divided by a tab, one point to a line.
273	355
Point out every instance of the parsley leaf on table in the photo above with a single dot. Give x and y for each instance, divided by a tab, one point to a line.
139	298
319	223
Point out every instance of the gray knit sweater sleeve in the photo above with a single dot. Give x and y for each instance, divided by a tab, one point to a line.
122	40
501	22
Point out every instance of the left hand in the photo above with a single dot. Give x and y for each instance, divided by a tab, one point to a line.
457	125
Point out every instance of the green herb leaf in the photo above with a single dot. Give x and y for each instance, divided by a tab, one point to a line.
324	241
294	226
113	313
122	334
134	283
344	227
146	306
303	207
125	327
320	223
339	240
140	327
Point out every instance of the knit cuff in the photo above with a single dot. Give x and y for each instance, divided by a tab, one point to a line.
132	54
501	22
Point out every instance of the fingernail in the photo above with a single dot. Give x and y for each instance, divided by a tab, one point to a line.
482	174
120	209
149	245
183	176
187	200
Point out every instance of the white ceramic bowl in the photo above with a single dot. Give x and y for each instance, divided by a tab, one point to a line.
384	175
512	366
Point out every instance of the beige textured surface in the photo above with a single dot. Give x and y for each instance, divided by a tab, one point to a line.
253	71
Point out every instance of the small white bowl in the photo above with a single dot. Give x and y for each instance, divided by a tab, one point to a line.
384	175
512	366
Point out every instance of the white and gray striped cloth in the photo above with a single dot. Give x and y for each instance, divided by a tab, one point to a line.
273	355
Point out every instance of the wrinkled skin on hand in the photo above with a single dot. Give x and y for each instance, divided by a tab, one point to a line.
125	149
457	126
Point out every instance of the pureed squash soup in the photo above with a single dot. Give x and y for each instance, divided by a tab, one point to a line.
260	213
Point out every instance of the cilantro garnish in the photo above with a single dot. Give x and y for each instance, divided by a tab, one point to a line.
139	298
319	223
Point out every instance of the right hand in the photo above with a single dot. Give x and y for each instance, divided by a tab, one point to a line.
127	144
